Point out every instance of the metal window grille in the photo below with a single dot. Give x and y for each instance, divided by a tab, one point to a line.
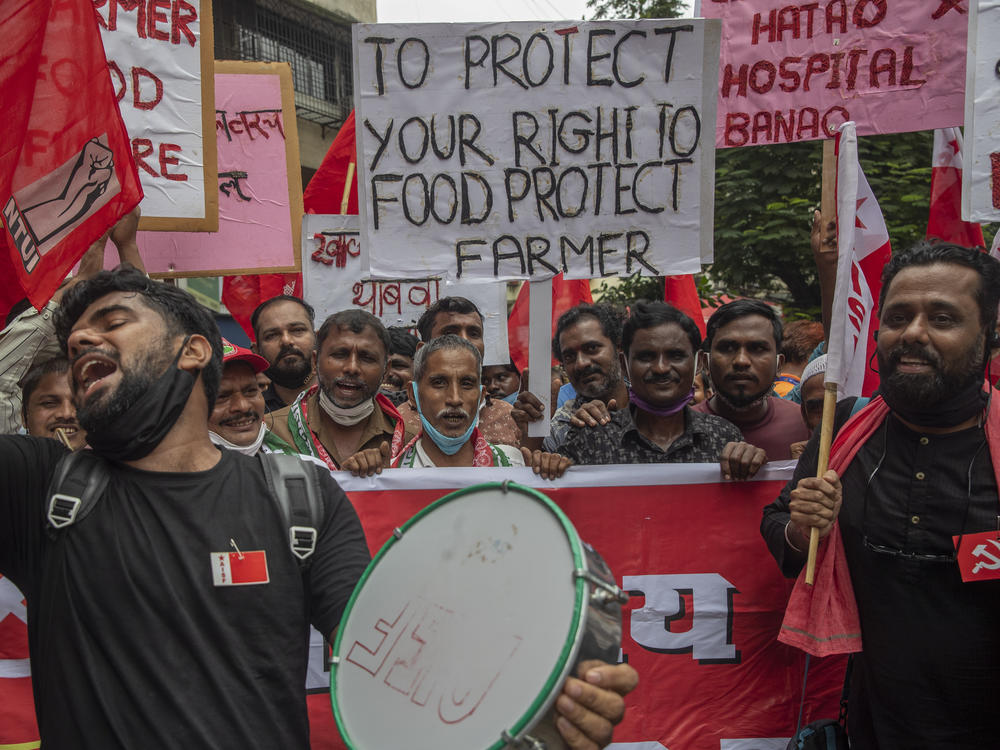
318	48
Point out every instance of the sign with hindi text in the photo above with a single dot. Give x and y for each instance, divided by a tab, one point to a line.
160	56
981	172
519	150
334	278
259	182
797	71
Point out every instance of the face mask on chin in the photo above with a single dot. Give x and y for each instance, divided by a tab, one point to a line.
246	450
143	416
447	444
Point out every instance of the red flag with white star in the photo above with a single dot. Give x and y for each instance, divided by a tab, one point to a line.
945	218
863	253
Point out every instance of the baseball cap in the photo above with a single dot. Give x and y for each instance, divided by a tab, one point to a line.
233	353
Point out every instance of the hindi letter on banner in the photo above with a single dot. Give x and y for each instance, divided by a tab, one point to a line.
519	150
259	182
981	176
334	279
797	71
160	60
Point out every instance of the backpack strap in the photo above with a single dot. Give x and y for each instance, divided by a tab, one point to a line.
295	488
78	481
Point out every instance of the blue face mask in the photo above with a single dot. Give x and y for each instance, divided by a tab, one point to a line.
510	399
448	445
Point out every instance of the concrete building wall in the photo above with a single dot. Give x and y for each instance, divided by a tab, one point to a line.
356	10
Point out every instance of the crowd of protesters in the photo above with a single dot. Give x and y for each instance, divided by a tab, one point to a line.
135	372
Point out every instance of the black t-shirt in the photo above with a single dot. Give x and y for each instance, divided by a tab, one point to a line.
929	675
132	644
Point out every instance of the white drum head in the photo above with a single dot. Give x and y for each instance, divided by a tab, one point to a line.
464	627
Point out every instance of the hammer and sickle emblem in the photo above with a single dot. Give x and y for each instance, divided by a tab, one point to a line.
981	550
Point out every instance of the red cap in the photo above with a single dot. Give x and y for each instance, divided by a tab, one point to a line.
233	353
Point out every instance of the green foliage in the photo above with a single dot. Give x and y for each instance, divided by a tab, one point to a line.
635	8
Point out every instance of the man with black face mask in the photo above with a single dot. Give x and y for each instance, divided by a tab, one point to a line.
174	615
912	481
283	329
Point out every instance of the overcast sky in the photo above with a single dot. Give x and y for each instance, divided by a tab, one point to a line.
390	11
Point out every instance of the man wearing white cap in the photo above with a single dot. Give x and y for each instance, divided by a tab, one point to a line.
236	421
811	389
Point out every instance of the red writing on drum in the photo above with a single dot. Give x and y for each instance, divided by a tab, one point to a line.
407	653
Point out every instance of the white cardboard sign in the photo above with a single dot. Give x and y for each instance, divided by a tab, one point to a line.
334	279
518	150
981	173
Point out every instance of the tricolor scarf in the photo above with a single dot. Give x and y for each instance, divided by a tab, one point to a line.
482	453
307	443
822	619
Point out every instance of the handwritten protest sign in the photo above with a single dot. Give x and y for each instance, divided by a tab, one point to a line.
797	71
259	182
334	278
981	176
160	58
520	150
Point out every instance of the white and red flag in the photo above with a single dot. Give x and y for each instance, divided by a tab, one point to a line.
945	219
566	294
66	167
863	249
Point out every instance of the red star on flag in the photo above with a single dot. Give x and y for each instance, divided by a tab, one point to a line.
857	219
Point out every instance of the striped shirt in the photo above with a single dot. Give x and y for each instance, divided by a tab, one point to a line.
30	339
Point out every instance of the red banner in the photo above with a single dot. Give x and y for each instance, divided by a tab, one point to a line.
66	168
707	598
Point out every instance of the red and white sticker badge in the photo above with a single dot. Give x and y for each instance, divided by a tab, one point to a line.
979	556
239	568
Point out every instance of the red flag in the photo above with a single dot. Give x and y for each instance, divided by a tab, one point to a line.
682	293
565	295
242	294
945	220
325	192
66	168
863	252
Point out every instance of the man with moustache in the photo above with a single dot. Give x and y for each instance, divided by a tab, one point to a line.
446	391
586	343
344	412
283	329
461	317
658	426
137	638
743	338
917	480
237	419
47	404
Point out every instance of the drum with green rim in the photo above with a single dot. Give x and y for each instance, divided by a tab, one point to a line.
464	627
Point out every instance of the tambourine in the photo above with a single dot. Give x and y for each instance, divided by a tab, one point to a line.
467	622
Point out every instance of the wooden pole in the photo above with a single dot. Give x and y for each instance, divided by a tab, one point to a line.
347	188
828	211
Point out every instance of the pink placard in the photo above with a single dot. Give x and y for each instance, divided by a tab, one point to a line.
795	72
260	187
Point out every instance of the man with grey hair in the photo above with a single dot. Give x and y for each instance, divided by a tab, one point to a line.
344	413
446	392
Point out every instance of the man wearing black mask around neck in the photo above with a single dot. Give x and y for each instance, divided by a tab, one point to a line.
912	480
137	639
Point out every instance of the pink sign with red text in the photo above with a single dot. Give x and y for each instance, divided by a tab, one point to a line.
797	71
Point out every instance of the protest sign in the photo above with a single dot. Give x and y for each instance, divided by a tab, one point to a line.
259	182
797	71
981	174
700	628
160	59
519	150
334	278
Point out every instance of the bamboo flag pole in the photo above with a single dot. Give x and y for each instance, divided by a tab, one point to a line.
348	181
828	213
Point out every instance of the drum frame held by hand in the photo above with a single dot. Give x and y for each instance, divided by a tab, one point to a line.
465	625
